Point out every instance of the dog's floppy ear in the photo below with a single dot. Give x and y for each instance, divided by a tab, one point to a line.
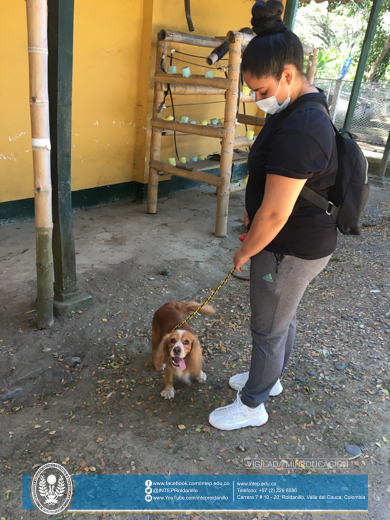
161	352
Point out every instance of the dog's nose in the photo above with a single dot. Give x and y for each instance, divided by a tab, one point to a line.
177	351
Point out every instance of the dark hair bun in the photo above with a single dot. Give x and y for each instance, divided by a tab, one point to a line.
267	17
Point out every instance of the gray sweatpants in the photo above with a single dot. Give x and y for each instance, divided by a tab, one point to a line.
275	292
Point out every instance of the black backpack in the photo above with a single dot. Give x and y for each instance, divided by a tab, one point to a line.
348	196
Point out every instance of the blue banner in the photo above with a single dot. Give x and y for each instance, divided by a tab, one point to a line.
229	493
345	67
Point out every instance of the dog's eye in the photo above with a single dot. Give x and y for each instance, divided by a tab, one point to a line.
186	342
173	340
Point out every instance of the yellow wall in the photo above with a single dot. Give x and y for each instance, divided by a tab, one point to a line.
210	18
15	132
114	62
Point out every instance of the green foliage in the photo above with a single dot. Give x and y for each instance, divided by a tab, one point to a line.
363	10
337	35
326	63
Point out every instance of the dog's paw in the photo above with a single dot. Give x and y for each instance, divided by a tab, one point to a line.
168	394
202	377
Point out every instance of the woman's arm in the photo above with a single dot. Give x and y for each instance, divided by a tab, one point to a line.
280	196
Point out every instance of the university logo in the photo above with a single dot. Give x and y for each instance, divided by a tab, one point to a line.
51	489
268	278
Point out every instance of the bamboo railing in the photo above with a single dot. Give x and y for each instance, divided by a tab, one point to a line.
155	147
200	85
40	133
225	168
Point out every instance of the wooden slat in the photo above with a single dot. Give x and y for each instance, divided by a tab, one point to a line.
155	145
189	39
246	38
188	128
193	175
196	80
240	142
195	90
312	66
247	119
230	116
247	99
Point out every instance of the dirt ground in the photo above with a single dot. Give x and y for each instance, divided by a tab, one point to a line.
105	414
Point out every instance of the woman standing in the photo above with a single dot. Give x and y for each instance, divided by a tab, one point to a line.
289	240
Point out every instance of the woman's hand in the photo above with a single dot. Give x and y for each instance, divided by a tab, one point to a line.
240	258
246	219
280	196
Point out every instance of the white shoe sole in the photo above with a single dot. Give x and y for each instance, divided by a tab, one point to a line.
254	421
276	390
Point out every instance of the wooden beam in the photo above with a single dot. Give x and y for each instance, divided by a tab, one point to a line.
188	128
225	168
247	119
311	70
219	83
189	39
193	175
36	11
246	38
155	145
247	98
195	90
241	142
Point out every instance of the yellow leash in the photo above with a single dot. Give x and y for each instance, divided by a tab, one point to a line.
205	302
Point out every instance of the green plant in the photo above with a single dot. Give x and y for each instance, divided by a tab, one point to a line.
325	58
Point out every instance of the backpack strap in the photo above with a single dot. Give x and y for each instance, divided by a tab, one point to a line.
307	193
319	201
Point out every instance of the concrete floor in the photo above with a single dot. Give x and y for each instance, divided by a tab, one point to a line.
108	235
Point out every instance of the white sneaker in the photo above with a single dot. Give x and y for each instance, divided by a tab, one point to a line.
238	415
238	381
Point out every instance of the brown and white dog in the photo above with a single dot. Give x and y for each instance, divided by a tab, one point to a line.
180	350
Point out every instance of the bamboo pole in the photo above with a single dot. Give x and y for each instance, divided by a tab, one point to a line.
308	49
40	133
231	106
196	80
193	175
241	142
311	69
247	119
188	128
246	38
251	98
195	90
170	133
189	39
155	146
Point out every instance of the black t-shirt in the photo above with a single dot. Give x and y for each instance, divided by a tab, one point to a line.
303	146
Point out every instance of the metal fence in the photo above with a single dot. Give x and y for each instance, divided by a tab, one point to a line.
371	119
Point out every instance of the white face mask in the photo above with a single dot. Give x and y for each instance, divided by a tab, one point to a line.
271	106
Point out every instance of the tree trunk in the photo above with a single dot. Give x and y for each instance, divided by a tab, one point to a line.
375	65
39	107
